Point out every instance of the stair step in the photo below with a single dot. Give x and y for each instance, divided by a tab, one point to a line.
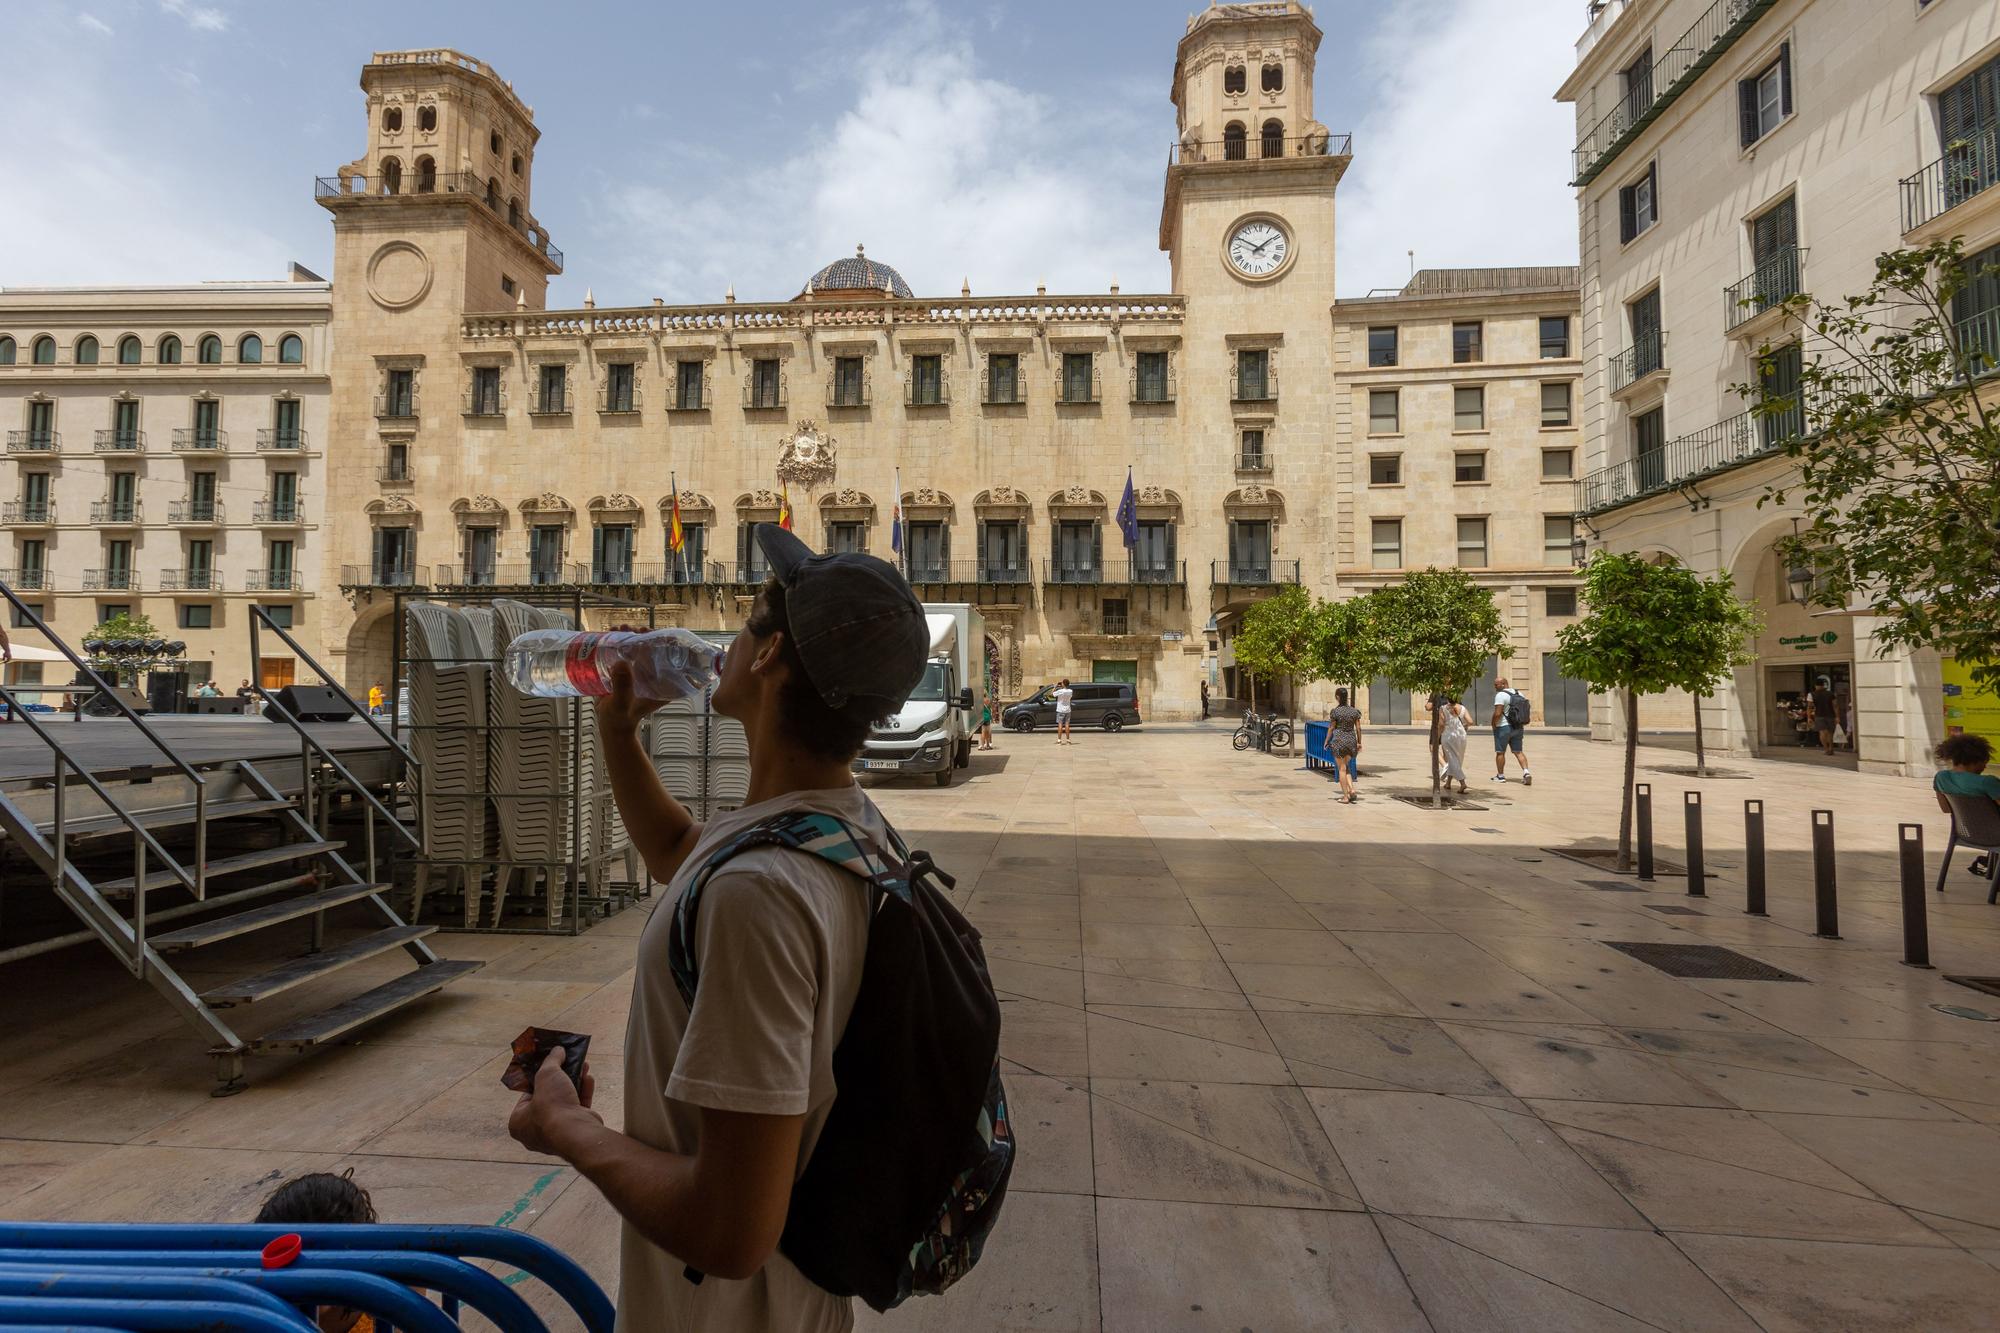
287	975
225	865
169	816
242	923
320	1028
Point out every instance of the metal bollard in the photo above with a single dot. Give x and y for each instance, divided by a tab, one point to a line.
1642	798
1691	803
1916	926
1825	901
1753	858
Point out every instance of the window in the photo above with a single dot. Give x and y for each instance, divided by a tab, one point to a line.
689	563
427	173
6	351
207	423
169	351
513	212
850	382
545	553
1558	533
278	564
1558	464
1472	543
1555	336
1150	382
121	497
1250	550
926	546
507	285
1385	542
1253	458
493	195
128	351
1555	404
611	553
1765	98
1003	378
1153	553
1637	79
200	562
399	398
1274	138
45	351
250	350
125	424
1274	78
209	351
280	614
481	546
197	615
112	611
1468	407
1003	551
20	614
1467	342
515	164
1235	142
847	537
1385	415
1467	467
201	506
926	380
555	388
41	425
1077	551
427	118
392	119
34	559
1649	442
1117	618
1975	309
284	497
1778	378
291	350
493	142
1079	372
1382	346
1774	240
1253	374
618	387
766	384
1385	469
1648	343
1639	204
486	391
1559	601
86	351
1234	79
396	461
34	505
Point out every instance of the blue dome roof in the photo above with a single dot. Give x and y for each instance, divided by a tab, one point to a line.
858	273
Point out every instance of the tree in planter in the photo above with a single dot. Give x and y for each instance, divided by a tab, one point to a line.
1434	632
1651	628
1279	637
1889	410
1349	650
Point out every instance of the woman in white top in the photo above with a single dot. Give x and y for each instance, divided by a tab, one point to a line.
1064	697
1451	743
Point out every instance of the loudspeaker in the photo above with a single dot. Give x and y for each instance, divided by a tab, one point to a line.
310	703
99	706
210	706
166	691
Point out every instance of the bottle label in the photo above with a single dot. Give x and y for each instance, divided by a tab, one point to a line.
580	663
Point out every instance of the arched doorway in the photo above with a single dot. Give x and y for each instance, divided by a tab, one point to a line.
1804	650
371	650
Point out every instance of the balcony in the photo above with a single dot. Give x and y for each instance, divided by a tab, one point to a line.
394	474
1255	388
344	190
379	576
279	513
1775	281
1646	356
1155	388
770	396
190	580
1244	574
1253	461
1969	168
1196	152
200	439
1674	72
926	393
27	580
397	406
273	580
1075	391
490	401
1003	391
280	439
110	580
195	514
851	393
117	441
626	401
33	441
28	513
116	514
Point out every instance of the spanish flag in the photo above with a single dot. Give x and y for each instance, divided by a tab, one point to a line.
676	535
784	506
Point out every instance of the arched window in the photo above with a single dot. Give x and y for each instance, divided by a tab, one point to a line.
517	164
170	351
1233	79
210	351
250	351
1233	141
1274	138
493	141
427	175
45	351
291	351
1274	78
427	119
6	351
392	176
513	212
86	351
128	351
493	194
392	119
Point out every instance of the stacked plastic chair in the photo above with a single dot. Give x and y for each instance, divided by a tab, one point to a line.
679	748
449	682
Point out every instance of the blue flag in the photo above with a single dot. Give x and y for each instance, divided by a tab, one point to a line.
1128	513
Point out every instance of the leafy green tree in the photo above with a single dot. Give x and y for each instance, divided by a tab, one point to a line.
1651	628
1350	651
1280	637
1893	423
1434	632
124	626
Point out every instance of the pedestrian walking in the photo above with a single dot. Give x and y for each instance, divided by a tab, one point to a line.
1204	701
1343	740
986	724
1511	714
1452	733
1824	716
1064	697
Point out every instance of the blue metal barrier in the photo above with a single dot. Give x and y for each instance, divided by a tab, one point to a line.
145	1316
340	1264
96	1284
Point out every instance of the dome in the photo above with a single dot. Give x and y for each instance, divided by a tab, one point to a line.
859	273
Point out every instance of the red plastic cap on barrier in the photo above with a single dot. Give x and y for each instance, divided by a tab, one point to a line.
283	1250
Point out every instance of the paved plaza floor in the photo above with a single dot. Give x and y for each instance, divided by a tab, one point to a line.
1276	1063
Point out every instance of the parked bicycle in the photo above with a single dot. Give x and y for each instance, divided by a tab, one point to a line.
1263	731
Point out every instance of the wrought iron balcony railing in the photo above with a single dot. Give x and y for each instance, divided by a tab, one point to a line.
116	513
119	441
190	580
392	184
768	396
188	438
1193	152
1249	574
279	513
1257	461
1969	168
379	576
287	438
110	580
28	513
195	513
30	578
33	441
273	580
1641	359
1777	279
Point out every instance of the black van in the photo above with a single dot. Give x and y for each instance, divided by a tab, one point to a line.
1107	704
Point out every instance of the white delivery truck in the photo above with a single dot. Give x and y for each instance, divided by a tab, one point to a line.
933	733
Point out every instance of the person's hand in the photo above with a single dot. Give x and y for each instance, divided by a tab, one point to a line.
551	1100
622	710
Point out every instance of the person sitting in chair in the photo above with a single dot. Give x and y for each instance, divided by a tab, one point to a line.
1965	757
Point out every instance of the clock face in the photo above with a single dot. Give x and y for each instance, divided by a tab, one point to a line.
1258	248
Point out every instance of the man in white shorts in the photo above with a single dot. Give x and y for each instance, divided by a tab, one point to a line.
1064	697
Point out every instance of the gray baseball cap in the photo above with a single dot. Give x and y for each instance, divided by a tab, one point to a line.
857	626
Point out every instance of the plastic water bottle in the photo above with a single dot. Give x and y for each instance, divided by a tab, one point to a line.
667	664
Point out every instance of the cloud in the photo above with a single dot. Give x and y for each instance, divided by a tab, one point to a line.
94	23
201	18
1467	171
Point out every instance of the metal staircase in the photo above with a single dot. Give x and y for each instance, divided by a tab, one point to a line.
289	870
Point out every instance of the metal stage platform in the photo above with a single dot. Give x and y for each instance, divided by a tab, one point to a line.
112	748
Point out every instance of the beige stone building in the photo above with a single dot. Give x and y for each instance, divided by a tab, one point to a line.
488	441
165	456
1731	153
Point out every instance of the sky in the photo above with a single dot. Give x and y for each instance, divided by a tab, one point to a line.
690	149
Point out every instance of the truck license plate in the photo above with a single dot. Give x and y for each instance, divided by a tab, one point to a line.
881	763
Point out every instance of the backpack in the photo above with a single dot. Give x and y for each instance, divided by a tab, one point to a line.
910	1170
1519	713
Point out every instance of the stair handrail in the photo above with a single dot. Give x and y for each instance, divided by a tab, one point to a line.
198	885
259	615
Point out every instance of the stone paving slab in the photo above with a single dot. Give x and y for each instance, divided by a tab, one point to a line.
1276	1063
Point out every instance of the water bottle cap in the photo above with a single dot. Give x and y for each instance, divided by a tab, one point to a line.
283	1250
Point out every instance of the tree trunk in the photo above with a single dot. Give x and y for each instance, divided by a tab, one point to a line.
1437	726
1631	772
1700	753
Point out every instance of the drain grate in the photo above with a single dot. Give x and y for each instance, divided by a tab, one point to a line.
1709	962
1611	886
1991	985
1670	909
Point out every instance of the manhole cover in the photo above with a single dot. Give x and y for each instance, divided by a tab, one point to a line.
1991	985
1670	909
1702	961
1612	886
1966	1011
1422	800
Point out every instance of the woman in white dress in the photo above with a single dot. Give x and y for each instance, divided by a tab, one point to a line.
1451	744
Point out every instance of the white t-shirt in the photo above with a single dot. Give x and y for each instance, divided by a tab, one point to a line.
1502	698
780	938
1063	695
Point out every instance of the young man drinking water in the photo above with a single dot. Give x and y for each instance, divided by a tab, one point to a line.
725	1100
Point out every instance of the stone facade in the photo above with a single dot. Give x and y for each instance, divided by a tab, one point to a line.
1807	147
166	456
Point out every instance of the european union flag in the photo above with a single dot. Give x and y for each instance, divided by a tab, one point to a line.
1128	513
